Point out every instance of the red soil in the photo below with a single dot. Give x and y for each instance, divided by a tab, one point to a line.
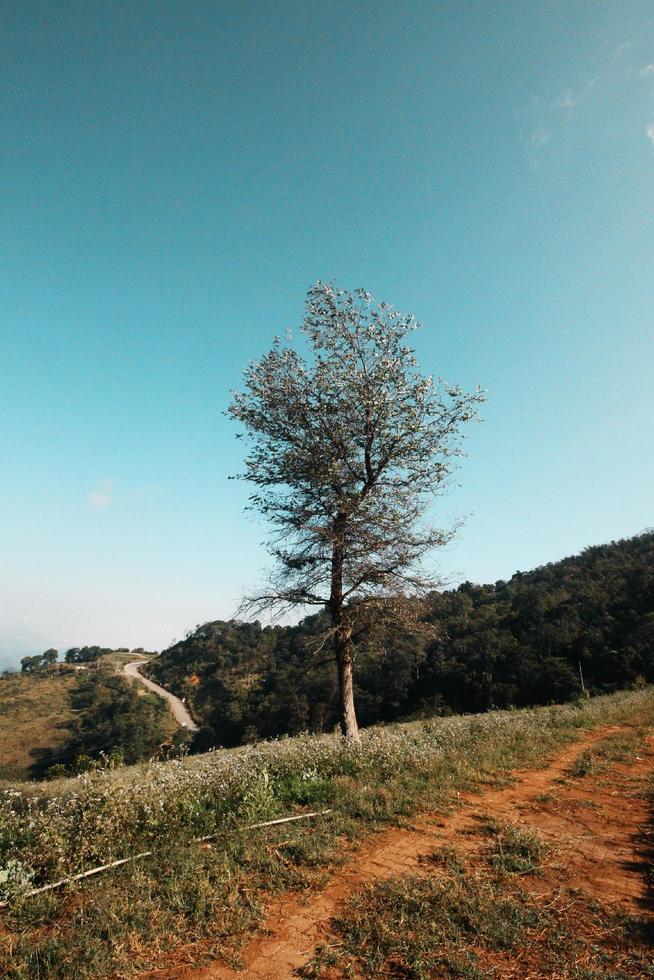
597	823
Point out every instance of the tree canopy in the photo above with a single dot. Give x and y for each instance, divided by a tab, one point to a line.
347	449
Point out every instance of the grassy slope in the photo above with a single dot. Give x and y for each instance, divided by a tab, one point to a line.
207	898
35	713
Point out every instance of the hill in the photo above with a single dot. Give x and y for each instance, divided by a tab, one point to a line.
529	640
36	715
61	721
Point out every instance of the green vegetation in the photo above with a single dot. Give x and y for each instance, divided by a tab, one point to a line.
207	897
29	665
520	642
115	720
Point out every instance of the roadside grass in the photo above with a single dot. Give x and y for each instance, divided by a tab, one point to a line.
472	923
36	715
411	926
188	903
197	897
621	747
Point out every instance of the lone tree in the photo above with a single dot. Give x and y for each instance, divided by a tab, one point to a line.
347	449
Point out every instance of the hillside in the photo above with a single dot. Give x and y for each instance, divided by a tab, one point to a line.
438	846
56	721
36	714
514	643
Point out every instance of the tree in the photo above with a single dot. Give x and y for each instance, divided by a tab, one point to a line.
49	657
346	451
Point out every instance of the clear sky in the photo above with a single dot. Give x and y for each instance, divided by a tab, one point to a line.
175	175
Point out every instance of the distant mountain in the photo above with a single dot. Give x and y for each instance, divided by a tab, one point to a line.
525	641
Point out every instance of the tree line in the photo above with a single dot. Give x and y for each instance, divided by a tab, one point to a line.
74	655
585	622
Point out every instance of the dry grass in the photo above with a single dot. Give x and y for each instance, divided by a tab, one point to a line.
36	714
467	921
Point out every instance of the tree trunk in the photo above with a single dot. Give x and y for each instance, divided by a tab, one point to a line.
349	725
342	637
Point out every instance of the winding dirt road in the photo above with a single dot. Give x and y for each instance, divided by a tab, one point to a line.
180	712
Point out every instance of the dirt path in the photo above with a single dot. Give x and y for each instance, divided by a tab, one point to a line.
180	712
599	831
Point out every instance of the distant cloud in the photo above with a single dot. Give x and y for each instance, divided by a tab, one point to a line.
568	101
540	136
547	118
620	50
572	99
101	496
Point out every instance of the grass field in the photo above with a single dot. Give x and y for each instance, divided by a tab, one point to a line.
35	714
206	899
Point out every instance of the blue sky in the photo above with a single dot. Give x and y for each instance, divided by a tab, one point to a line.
175	175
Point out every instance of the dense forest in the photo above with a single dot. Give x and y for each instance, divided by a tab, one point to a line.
586	620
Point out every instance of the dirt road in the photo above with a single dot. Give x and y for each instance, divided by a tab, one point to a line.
180	712
597	825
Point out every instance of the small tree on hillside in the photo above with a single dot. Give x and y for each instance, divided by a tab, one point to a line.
347	449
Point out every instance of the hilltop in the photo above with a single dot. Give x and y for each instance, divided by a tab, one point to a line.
529	640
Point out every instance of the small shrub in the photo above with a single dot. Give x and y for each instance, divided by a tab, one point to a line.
517	850
445	856
584	764
15	880
304	789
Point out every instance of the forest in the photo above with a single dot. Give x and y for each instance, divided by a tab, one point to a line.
582	624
